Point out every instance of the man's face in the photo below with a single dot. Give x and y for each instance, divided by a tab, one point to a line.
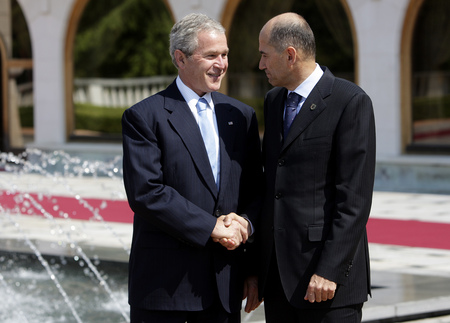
272	62
204	70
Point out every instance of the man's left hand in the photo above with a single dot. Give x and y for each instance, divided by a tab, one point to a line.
251	294
320	289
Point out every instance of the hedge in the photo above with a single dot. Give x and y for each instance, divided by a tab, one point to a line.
87	117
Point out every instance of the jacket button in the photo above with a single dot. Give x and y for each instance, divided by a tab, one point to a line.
281	162
217	213
278	196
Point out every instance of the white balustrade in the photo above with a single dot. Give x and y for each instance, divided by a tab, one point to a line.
118	92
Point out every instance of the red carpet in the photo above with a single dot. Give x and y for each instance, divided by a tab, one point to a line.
384	231
109	210
409	233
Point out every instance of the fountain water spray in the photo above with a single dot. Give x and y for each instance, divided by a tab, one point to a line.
59	168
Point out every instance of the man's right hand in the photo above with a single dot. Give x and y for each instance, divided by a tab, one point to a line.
230	231
244	223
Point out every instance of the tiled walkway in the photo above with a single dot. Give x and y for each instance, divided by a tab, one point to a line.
406	280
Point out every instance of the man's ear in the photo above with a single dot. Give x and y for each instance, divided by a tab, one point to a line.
291	55
180	58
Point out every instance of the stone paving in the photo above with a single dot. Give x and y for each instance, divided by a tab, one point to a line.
407	281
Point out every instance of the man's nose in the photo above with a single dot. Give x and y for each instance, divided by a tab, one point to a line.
262	65
221	62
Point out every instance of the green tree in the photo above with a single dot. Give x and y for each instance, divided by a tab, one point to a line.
123	38
20	36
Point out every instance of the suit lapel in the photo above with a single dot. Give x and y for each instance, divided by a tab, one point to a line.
312	107
184	124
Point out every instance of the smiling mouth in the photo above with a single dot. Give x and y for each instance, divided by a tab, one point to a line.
216	75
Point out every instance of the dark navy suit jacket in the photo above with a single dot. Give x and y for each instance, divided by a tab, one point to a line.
174	265
319	191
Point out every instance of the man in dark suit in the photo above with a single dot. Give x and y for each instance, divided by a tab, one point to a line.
319	160
181	181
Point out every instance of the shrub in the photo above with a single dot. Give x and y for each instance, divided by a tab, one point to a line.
87	117
100	119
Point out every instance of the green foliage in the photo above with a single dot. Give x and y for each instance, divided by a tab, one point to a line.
131	39
20	35
26	117
97	119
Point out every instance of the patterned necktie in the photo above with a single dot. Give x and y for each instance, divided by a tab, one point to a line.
208	134
292	102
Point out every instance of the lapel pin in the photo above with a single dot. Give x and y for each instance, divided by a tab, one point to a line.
230	123
312	107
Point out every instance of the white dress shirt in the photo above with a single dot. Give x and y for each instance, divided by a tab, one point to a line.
192	98
305	88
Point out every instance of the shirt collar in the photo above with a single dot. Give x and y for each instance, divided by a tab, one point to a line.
305	88
190	96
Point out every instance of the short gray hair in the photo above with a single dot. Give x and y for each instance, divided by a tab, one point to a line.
183	35
296	33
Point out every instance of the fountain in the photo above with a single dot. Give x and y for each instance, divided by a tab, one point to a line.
65	236
64	239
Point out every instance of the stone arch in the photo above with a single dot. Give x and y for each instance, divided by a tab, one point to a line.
423	131
72	26
249	85
353	31
405	69
228	13
232	5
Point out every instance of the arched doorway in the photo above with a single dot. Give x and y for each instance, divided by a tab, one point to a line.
426	77
334	41
115	52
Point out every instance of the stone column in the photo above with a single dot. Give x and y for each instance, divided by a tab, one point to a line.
47	22
379	26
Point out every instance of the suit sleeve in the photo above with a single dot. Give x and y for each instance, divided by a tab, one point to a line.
161	205
252	178
355	167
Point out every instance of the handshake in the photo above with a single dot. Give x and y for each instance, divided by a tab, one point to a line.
231	230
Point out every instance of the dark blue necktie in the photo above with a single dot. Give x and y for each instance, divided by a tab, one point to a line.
292	102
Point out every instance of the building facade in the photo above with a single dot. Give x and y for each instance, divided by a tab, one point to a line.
383	40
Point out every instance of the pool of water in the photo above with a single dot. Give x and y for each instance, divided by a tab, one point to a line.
31	293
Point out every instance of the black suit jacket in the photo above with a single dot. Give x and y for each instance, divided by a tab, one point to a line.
319	191
174	265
